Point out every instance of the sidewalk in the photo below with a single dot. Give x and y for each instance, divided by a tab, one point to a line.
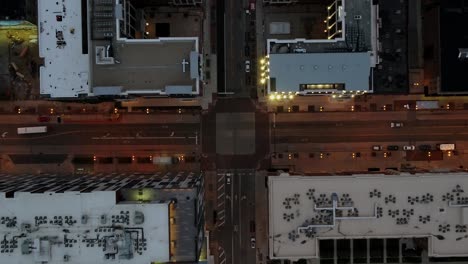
330	104
367	116
125	118
45	107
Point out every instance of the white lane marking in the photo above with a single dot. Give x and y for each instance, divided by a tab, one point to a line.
221	178
140	138
221	187
220	195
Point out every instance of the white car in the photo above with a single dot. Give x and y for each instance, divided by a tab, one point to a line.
409	147
396	124
247	66
376	147
252	242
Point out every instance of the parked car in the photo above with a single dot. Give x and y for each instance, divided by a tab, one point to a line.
392	147
252	242
409	147
252	226
247	66
43	119
247	51
396	124
376	147
425	147
228	178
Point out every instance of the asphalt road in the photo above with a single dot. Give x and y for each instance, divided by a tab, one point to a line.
234	38
235	233
375	131
96	138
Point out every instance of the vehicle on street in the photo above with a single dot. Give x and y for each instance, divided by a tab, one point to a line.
392	147
247	51
43	119
446	146
228	178
376	147
32	130
396	124
427	105
252	242
409	147
252	5
252	226
425	147
247	66
162	160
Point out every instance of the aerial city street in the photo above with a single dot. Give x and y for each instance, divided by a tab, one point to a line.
233	131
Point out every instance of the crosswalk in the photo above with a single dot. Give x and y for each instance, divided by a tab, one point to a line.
221	199
221	255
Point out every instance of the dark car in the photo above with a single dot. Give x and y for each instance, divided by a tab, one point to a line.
425	147
392	147
247	51
43	119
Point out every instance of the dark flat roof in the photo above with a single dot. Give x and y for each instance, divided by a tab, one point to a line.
453	35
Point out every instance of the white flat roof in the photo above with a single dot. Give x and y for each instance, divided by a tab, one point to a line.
66	69
69	71
82	241
290	70
432	205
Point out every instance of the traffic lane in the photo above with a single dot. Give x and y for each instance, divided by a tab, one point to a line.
235	28
248	215
106	135
116	128
236	220
102	150
370	131
368	138
375	124
83	139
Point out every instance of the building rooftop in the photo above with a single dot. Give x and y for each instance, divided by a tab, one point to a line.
293	72
351	28
63	45
118	210
147	67
452	37
82	228
38	183
121	55
306	210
